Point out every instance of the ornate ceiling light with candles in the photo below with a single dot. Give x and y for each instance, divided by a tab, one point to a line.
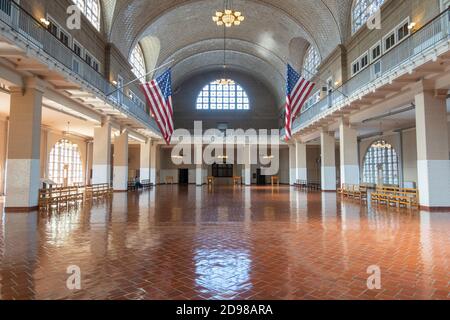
224	81
228	17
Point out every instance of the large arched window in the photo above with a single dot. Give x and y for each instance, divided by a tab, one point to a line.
65	166
381	164
91	9
138	63
362	11
311	63
216	96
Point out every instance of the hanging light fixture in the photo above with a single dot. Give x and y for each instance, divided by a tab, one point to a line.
224	81
228	17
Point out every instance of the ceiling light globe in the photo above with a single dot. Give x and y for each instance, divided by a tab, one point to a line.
228	12
241	18
219	14
237	14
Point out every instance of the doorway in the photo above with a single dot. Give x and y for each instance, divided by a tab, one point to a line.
260	179
183	176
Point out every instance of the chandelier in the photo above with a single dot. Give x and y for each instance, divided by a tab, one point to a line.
382	145
224	82
228	17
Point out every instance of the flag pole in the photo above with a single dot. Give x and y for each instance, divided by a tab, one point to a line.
139	78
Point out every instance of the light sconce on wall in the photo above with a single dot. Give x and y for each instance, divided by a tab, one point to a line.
412	26
45	22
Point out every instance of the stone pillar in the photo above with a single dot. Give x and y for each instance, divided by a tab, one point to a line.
101	167
247	165
145	160
328	152
349	154
301	159
24	143
292	164
120	181
433	164
153	163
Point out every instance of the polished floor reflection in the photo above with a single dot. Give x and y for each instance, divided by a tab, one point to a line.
244	243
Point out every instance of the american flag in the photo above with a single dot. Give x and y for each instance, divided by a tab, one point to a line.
159	96
298	90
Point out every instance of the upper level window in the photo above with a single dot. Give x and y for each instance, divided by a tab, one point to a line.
311	63
91	9
215	96
138	64
362	11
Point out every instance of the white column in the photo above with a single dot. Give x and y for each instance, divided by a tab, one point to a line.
145	160
101	168
292	164
349	154
432	150
328	170
301	162
198	156
120	181
247	165
153	162
23	159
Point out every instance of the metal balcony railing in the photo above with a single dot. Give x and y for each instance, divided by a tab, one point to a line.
35	35
429	36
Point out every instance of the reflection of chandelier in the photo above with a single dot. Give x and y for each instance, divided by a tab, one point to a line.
228	17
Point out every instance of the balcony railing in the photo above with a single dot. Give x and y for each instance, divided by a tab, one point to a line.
35	35
432	34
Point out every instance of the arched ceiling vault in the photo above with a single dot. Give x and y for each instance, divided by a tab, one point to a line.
274	32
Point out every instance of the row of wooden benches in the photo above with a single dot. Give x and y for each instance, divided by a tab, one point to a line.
396	196
67	196
144	184
308	185
353	191
383	195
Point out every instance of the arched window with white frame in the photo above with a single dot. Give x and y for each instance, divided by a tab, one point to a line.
381	164
91	9
65	166
362	10
311	63
224	94
138	63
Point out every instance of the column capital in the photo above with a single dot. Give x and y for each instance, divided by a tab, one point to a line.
423	86
30	83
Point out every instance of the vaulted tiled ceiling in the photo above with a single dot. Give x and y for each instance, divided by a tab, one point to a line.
274	32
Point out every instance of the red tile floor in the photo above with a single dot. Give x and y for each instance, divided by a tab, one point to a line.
245	243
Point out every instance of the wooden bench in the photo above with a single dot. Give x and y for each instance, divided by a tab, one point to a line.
308	185
146	184
210	181
353	191
237	181
97	191
396	196
131	185
60	196
169	180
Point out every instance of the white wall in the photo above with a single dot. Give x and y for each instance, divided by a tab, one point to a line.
3	144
